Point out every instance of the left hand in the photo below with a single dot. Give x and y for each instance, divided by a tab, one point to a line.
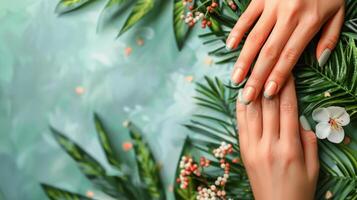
281	33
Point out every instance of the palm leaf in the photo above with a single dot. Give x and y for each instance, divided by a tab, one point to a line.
55	194
92	169
105	143
140	9
338	171
338	78
180	28
65	6
149	170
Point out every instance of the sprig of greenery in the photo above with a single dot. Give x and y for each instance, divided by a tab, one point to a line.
119	186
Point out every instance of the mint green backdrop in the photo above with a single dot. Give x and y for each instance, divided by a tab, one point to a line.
44	58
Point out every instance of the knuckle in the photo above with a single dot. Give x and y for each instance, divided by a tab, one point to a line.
255	38
267	154
311	138
291	55
288	107
252	113
245	19
294	8
313	20
288	155
279	76
269	52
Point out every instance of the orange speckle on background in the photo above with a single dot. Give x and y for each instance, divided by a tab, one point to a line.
189	78
79	90
127	146
128	51
90	194
208	61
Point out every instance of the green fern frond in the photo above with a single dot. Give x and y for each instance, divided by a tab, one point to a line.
333	84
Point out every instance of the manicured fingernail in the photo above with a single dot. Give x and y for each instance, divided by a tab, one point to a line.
240	95
248	95
270	90
324	57
304	123
237	75
230	43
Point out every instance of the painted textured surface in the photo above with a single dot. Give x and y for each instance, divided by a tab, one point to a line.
58	71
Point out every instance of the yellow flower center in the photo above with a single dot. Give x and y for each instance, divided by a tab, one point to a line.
334	124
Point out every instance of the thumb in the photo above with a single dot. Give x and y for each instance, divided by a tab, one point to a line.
309	144
329	37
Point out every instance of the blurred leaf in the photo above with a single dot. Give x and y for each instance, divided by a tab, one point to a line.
180	28
58	194
141	8
65	6
113	186
107	146
149	170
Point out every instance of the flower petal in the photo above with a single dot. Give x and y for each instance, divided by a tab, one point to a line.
336	135
335	111
321	115
344	119
323	129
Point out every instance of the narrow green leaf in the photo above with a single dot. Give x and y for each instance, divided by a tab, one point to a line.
92	169
181	30
107	146
54	193
149	170
140	9
65	6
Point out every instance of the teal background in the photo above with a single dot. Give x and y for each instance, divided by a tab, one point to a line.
45	57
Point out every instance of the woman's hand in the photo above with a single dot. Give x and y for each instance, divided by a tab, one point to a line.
281	159
283	30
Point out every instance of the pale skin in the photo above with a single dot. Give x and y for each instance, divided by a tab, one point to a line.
280	30
280	157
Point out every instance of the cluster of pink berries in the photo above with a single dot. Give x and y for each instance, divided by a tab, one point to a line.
204	162
187	167
223	150
193	16
211	193
232	5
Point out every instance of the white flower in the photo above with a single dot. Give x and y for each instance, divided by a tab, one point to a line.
330	121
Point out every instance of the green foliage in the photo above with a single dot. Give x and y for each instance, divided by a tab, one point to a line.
118	186
338	79
181	30
56	193
338	161
65	6
140	9
149	170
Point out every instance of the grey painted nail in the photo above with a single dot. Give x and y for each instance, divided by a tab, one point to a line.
304	123
324	57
